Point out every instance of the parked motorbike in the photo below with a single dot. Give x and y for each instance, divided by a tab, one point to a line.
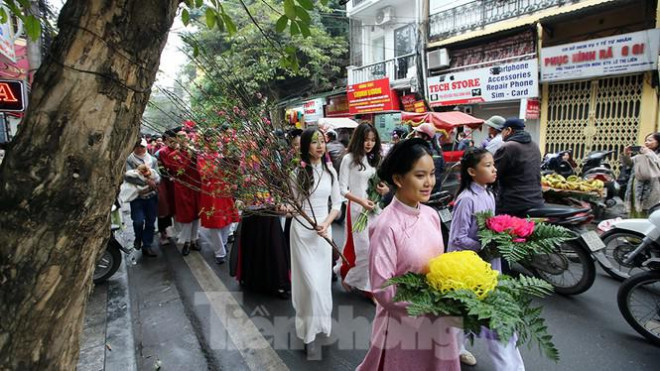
555	163
639	301
441	202
630	243
594	167
571	269
111	258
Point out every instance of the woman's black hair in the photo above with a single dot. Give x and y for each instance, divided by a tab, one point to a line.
356	146
471	158
402	158
305	176
655	136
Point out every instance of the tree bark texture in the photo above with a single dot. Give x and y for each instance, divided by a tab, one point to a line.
62	173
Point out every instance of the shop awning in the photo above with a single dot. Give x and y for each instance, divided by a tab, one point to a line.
442	120
337	123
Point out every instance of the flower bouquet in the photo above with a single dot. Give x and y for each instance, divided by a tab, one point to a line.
517	239
373	195
461	284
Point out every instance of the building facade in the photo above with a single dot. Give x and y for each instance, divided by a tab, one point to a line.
584	74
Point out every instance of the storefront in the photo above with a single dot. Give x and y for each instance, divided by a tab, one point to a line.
599	93
496	77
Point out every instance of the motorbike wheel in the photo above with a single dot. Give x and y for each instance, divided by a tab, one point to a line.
617	244
570	270
639	303
108	262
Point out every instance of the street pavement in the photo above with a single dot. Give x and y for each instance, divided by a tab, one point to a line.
188	313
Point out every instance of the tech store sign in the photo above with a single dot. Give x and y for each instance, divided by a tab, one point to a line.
510	81
615	55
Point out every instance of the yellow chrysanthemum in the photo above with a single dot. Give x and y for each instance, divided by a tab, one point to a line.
462	270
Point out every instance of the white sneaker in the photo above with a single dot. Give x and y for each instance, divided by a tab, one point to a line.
467	358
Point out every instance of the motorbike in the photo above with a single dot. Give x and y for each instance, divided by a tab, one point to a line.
441	203
110	260
593	167
631	242
571	269
638	300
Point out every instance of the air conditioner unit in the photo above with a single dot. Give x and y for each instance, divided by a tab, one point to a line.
437	59
384	16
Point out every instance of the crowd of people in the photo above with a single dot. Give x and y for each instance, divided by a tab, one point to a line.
290	257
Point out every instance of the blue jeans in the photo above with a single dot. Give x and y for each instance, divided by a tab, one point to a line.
143	213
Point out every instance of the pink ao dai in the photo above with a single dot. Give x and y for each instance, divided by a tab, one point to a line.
403	240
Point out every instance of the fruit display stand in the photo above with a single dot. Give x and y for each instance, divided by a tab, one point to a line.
574	191
589	196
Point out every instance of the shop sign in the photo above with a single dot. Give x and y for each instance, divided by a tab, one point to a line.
615	55
408	102
7	39
372	96
509	81
532	109
419	106
12	98
337	106
313	109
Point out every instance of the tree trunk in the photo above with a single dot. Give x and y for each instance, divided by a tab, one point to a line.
62	173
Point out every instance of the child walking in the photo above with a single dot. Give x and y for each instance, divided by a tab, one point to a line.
478	172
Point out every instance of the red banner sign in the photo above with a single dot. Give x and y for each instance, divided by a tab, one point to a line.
372	96
419	106
533	110
408	102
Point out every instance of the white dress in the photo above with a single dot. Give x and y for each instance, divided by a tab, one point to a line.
356	181
311	258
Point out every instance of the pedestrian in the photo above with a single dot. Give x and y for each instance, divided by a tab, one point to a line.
357	167
335	148
217	209
478	173
165	189
144	207
405	237
518	162
463	142
427	132
314	182
494	124
182	165
263	261
643	191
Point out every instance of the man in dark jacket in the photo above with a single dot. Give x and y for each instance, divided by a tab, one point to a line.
335	148
518	164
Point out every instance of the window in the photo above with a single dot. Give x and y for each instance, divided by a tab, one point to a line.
404	40
378	50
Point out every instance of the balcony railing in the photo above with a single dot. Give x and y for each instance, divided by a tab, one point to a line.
479	13
399	68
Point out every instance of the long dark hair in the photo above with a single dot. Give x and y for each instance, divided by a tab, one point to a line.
356	146
401	158
305	176
471	158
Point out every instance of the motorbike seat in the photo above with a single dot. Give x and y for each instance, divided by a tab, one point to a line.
555	211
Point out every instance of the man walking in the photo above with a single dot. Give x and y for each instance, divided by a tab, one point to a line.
495	131
518	163
145	207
